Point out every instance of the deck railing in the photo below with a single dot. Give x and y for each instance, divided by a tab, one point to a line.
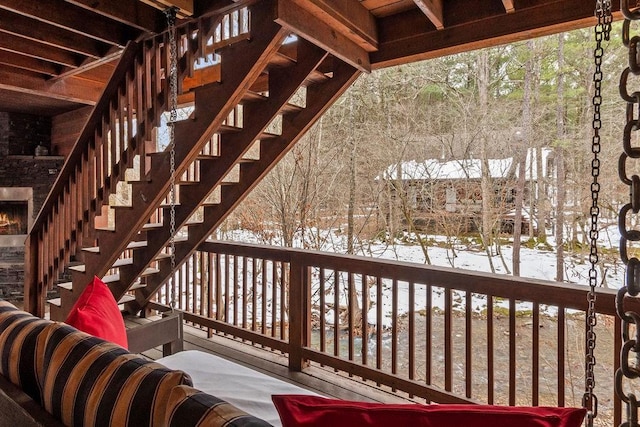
430	333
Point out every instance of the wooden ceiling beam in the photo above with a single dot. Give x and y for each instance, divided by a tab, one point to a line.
72	18
301	22
347	17
433	10
185	7
407	37
131	12
73	89
509	5
28	63
22	26
16	44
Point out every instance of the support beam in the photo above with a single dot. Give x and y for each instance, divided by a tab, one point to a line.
73	89
28	63
347	17
11	43
304	24
72	18
185	7
22	26
509	6
433	10
131	12
407	37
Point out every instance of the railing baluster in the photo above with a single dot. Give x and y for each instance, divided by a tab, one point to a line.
336	313
468	344
428	333
235	290
351	313
245	302
379	326
448	341
535	356
412	330
323	310
365	321
274	298
263	296
561	352
512	351
490	352
254	294
394	327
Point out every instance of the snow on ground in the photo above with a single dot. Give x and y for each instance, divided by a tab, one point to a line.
539	263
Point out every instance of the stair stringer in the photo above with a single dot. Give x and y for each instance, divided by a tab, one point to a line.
257	116
242	64
319	98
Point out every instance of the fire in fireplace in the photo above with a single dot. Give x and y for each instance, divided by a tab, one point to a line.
14	217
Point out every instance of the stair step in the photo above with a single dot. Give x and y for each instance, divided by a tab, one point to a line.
251	96
132	245
228	129
66	285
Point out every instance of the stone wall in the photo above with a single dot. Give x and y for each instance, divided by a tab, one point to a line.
20	134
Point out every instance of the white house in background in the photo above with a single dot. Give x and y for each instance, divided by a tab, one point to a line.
434	187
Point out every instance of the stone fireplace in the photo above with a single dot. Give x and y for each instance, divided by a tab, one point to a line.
25	181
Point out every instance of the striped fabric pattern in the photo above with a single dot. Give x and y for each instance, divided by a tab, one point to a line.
87	381
191	407
19	333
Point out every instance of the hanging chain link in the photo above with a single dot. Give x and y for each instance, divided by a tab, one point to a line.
170	13
602	32
630	320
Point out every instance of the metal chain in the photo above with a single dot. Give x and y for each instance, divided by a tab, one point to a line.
630	320
170	13
602	32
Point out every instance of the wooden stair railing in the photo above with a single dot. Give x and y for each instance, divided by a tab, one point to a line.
117	132
236	103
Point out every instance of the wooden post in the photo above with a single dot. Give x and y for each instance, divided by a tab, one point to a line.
33	298
299	310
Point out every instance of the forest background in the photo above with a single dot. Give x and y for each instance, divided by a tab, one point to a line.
487	104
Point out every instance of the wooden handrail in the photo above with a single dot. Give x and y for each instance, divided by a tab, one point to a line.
79	150
252	291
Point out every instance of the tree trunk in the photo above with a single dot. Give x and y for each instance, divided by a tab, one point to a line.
352	183
521	158
486	232
559	160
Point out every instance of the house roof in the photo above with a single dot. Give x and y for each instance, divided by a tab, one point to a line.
56	55
438	170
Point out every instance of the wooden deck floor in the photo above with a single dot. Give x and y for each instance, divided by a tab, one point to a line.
318	379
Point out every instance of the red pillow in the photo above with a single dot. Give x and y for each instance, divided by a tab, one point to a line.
96	312
302	410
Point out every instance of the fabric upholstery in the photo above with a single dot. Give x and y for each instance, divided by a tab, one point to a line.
301	410
19	332
96	312
191	407
87	381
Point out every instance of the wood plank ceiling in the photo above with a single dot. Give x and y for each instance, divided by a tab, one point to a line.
56	55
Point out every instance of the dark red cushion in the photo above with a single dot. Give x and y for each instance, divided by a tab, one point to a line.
301	410
96	312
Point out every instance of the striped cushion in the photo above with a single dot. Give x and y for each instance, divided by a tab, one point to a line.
19	331
191	407
87	381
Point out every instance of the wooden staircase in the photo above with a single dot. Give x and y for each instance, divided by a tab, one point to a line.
244	120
